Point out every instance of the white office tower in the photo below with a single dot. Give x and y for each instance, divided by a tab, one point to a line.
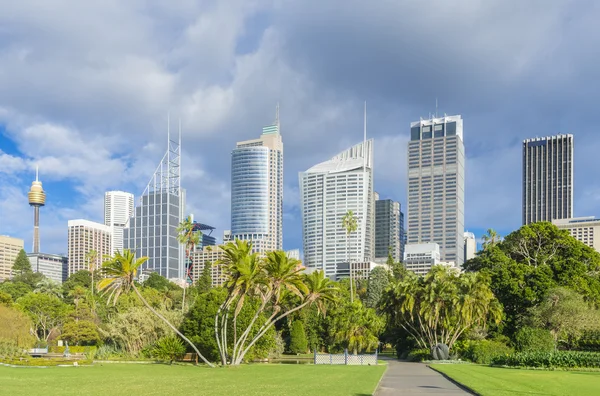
470	246
420	257
327	192
118	208
436	186
83	237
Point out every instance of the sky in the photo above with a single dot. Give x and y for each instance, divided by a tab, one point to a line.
86	89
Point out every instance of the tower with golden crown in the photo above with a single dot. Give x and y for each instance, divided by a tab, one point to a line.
37	199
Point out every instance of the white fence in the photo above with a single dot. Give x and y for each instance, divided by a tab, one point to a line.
345	358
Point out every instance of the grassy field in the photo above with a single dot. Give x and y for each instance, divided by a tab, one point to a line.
495	381
155	379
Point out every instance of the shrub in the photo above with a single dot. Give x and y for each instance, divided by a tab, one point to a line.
529	339
484	351
10	350
169	348
418	355
556	359
82	332
72	349
298	343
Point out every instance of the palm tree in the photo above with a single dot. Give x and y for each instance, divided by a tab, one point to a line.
120	271
91	257
490	239
48	286
350	225
186	235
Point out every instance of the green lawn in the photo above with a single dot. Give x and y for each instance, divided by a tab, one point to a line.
154	379
495	381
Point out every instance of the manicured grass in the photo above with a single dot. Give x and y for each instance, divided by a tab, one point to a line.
496	381
155	379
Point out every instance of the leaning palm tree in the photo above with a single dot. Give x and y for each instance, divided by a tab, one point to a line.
119	272
350	224
187	236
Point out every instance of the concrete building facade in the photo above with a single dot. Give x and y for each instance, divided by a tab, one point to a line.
436	186
118	208
584	229
470	246
53	266
208	256
83	237
9	249
388	229
547	178
420	257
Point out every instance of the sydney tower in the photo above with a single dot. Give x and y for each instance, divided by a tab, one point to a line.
37	199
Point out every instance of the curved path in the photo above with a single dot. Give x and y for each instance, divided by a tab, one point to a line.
405	378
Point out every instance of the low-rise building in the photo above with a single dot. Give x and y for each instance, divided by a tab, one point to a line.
420	257
53	266
9	249
470	246
584	229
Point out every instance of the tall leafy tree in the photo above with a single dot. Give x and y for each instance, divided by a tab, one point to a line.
204	283
92	257
119	272
189	238
357	328
298	342
350	225
15	326
22	265
46	311
48	286
378	281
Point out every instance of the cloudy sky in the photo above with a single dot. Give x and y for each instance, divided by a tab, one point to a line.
85	89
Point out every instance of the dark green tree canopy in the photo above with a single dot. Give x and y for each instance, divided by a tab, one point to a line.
159	282
298	342
22	264
378	281
80	278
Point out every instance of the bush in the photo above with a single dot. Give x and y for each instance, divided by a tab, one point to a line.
419	355
72	349
590	341
529	339
169	348
484	351
10	350
556	359
82	332
36	362
298	343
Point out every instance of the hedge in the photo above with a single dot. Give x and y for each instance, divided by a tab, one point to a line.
38	362
557	359
72	349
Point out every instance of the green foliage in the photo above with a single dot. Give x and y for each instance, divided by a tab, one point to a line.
83	279
530	339
557	359
15	289
485	351
5	299
419	355
589	341
298	342
204	283
160	283
46	311
9	349
15	327
378	281
169	348
22	264
356	327
41	362
48	286
31	279
81	332
72	349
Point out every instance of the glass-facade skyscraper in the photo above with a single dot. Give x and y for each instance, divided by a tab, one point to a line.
388	229
257	190
328	191
548	178
436	186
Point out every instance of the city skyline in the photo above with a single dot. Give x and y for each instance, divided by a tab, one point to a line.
105	126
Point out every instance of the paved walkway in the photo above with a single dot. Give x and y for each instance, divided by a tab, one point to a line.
404	378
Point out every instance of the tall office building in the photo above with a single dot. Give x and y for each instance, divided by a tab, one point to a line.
257	190
388	229
9	249
118	208
327	192
436	186
53	266
470	246
584	229
83	237
547	178
152	230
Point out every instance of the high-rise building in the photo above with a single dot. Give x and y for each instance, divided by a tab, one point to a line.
118	208
208	255
53	266
257	190
37	199
547	178
436	186
152	230
83	237
388	230
470	246
327	192
9	249
584	229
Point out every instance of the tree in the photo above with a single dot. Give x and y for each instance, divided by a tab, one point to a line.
48	286
22	264
15	326
189	238
120	271
81	332
81	278
490	239
169	348
350	224
91	257
441	306
378	281
16	289
158	282
204	283
277	284
47	313
357	328
5	299
298	342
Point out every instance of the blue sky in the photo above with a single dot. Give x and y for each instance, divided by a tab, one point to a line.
86	89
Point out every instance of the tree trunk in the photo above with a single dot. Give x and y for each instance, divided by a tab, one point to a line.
137	292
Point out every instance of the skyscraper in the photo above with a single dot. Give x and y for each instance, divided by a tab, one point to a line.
118	208
37	199
152	230
327	192
436	185
9	249
388	231
470	246
83	237
257	190
547	178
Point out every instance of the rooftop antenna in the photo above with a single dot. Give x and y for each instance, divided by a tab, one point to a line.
436	107
37	171
365	139
277	116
